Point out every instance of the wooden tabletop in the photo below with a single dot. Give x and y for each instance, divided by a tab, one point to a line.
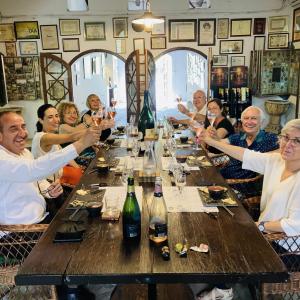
237	250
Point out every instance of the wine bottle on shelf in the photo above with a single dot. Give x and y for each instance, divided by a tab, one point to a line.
146	119
131	214
158	221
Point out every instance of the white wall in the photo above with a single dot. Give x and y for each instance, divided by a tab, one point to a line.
48	12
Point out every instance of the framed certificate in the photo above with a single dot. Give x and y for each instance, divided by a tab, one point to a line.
28	48
120	27
206	32
49	35
240	27
7	32
71	45
278	41
69	26
182	30
158	42
94	31
223	28
231	46
296	25
26	30
278	24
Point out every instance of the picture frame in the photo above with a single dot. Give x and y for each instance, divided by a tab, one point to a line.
219	77
71	45
120	46
56	89
139	44
278	40
240	27
159	29
28	47
231	46
206	32
49	37
158	42
259	26
94	31
7	32
11	49
69	27
26	30
238	76
54	67
259	43
220	60
223	28
278	24
182	30
237	61
296	25
120	27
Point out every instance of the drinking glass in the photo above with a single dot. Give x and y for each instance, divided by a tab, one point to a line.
112	202
97	117
127	170
211	117
197	127
180	180
172	146
135	148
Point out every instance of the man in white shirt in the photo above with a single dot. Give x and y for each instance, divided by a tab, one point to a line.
20	199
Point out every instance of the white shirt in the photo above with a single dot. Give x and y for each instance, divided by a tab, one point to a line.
20	200
37	152
202	111
280	200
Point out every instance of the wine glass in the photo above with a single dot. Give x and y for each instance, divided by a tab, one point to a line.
180	180
111	113
135	148
113	103
211	117
198	128
172	146
178	99
97	117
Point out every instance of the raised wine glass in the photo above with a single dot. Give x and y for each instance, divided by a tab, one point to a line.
197	126
211	117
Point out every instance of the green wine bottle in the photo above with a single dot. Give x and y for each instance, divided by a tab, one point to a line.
146	119
131	214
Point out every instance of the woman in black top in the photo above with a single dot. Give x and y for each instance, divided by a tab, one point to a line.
221	124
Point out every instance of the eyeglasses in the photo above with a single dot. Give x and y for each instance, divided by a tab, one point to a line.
74	113
294	142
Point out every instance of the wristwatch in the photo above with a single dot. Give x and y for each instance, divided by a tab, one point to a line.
261	226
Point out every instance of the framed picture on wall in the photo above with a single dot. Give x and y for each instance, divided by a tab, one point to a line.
237	61
120	27
11	49
296	25
259	43
278	41
94	31
259	26
27	30
240	27
159	29
7	32
278	24
71	45
120	46
69	27
182	30
158	42
220	60
223	28
231	46
206	32
28	48
54	67
49	35
139	44
56	89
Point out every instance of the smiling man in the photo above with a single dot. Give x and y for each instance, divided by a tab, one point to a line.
21	177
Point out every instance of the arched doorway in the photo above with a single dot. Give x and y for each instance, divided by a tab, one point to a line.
179	72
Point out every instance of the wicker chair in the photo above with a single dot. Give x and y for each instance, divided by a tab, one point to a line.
16	242
291	288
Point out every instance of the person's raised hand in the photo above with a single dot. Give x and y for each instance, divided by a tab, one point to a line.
55	189
212	132
182	108
107	123
90	138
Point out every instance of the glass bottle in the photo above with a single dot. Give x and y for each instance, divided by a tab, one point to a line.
146	119
149	161
158	221
131	214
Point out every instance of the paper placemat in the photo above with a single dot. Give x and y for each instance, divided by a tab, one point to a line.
121	192
137	163
165	163
188	201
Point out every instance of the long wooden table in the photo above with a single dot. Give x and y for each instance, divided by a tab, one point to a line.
237	250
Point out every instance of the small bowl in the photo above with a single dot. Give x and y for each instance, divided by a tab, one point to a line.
94	208
181	158
175	126
121	128
216	192
102	168
184	139
110	141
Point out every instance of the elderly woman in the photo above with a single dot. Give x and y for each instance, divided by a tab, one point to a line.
199	103
280	205
251	137
94	104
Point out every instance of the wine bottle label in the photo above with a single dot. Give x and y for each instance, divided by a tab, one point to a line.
160	230
132	230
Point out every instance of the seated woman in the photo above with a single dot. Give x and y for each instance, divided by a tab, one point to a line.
223	127
199	103
94	104
251	137
280	205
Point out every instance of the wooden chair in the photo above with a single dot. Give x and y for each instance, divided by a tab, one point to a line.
16	242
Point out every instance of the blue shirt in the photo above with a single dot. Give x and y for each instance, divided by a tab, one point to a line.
264	142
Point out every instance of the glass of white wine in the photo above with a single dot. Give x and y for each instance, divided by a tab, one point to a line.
211	117
180	180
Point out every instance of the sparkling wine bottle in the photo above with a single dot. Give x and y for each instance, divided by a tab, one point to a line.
158	223
146	119
131	214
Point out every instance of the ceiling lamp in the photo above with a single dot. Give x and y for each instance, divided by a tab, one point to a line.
147	19
78	5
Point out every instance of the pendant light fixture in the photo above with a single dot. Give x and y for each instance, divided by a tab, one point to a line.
147	19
